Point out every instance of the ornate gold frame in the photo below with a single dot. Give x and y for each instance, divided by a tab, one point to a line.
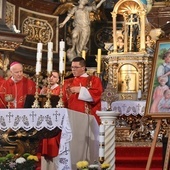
162	46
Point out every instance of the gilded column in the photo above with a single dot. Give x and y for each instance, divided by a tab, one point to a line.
142	35
140	76
114	32
114	75
146	76
125	35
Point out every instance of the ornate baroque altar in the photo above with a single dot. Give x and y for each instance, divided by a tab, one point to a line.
127	66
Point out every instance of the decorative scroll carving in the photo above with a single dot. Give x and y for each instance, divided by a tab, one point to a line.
115	80
9	45
140	71
39	28
146	76
10	14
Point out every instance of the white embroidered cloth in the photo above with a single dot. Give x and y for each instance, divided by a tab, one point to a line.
39	119
126	107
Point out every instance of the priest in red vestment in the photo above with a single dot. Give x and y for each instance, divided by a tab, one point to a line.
82	92
54	86
16	88
50	147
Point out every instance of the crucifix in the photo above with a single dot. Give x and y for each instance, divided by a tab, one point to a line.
131	23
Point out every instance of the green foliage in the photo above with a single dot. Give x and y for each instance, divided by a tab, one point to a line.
10	156
162	52
25	155
9	163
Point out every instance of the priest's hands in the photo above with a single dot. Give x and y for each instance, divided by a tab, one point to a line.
75	89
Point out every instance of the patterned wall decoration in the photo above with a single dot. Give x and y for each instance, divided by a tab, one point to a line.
10	14
38	27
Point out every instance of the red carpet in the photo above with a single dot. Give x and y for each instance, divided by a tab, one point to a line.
135	158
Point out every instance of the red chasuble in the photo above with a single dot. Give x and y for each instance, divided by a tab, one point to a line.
18	90
56	91
94	86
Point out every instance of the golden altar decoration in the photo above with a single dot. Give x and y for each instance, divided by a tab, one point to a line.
128	68
128	65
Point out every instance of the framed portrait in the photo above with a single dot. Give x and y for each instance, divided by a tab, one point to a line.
158	100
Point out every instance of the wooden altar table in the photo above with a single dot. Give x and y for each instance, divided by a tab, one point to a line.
127	107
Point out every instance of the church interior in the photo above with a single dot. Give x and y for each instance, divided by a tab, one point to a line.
125	69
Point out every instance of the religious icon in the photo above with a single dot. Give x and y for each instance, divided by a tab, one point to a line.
127	80
158	104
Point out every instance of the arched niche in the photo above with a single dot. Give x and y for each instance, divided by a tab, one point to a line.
128	9
127	78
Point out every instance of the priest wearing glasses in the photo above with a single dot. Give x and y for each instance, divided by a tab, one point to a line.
82	93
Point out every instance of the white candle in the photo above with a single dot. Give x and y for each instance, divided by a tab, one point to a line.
39	47
38	68
62	57
101	140
84	54
50	46
101	151
50	57
139	94
64	61
39	58
61	61
99	60
101	128
62	45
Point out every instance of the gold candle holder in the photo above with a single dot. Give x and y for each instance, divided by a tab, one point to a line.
48	102
101	160
98	75
36	96
9	98
60	102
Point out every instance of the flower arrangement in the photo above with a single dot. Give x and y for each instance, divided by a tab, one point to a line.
84	165
13	162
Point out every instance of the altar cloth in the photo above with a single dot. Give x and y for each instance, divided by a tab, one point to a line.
39	118
127	107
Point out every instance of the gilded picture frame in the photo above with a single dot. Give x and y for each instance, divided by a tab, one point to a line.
158	99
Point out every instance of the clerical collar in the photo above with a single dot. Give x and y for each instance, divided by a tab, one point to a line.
54	86
13	80
84	75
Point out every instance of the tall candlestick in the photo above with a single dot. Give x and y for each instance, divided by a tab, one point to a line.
84	54
50	57
39	58
99	61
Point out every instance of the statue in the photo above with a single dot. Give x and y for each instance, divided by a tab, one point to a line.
150	45
120	44
81	24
